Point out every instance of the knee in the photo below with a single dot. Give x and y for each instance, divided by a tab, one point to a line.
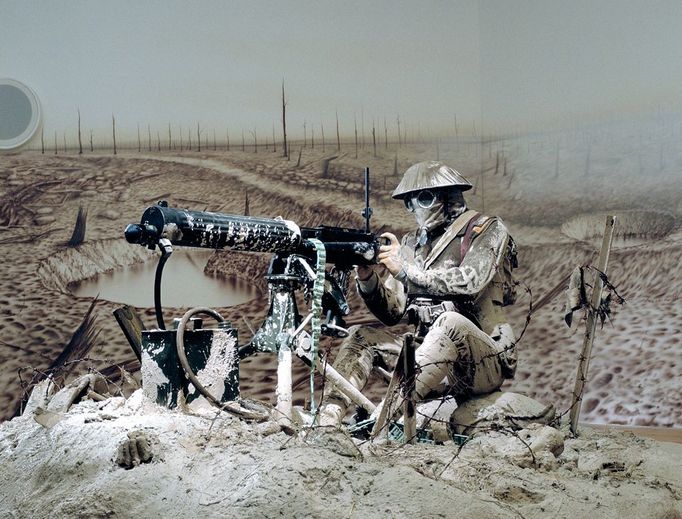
453	320
360	334
360	338
453	324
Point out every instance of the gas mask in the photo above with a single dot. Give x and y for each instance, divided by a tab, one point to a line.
432	208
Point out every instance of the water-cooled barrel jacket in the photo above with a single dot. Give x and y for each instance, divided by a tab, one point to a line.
473	283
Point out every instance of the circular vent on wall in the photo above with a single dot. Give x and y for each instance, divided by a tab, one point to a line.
19	114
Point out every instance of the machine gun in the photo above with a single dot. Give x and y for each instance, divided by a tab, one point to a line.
300	256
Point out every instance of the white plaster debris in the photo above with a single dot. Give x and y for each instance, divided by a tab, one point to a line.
219	364
209	466
152	377
284	381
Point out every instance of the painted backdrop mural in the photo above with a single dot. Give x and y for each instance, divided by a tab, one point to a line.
558	113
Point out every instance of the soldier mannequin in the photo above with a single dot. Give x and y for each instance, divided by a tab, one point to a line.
448	277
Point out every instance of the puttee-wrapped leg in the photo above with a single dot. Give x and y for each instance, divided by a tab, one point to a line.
358	353
456	358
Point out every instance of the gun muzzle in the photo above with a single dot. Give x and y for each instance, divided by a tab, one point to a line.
141	234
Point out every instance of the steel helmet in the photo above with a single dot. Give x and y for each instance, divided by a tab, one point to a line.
430	175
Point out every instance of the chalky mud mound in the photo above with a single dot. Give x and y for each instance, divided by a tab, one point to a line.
203	465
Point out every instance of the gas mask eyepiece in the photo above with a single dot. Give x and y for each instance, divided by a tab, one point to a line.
424	199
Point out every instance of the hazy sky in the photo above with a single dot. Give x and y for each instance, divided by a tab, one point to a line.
528	62
544	61
222	63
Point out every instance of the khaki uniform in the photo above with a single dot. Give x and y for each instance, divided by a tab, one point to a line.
468	350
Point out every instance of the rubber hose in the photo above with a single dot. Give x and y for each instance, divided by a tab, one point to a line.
239	411
157	289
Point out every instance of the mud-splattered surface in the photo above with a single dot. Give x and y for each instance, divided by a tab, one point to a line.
635	369
200	465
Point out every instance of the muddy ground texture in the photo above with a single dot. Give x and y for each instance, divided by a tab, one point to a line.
132	458
635	369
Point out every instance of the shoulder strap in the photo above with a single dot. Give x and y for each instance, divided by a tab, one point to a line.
472	231
450	234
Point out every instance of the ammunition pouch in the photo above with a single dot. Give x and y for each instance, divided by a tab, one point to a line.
423	312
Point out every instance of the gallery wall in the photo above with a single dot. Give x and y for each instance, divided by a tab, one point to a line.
222	63
550	63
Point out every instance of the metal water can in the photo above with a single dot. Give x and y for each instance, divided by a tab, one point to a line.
212	353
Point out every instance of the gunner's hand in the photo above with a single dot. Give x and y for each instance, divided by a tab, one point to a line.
389	255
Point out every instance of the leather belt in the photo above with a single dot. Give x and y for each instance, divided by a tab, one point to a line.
423	312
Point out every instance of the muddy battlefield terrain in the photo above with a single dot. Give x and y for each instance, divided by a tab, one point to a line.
552	190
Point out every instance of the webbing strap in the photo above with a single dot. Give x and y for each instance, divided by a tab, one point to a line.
450	234
316	310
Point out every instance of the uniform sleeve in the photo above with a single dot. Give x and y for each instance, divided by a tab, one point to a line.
476	271
386	299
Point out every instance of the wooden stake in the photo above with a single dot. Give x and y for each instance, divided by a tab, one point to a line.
409	415
584	361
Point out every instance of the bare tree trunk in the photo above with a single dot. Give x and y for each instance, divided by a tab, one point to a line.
42	141
243	146
215	144
362	126
374	138
438	149
149	138
55	144
456	129
322	128
355	121
284	123
338	138
227	134
325	166
78	234
170	137
181	143
91	146
189	139
274	142
158	141
398	122
80	143
64	138
385	134
312	137
304	134
255	141
113	131
300	151
139	141
198	138
556	162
